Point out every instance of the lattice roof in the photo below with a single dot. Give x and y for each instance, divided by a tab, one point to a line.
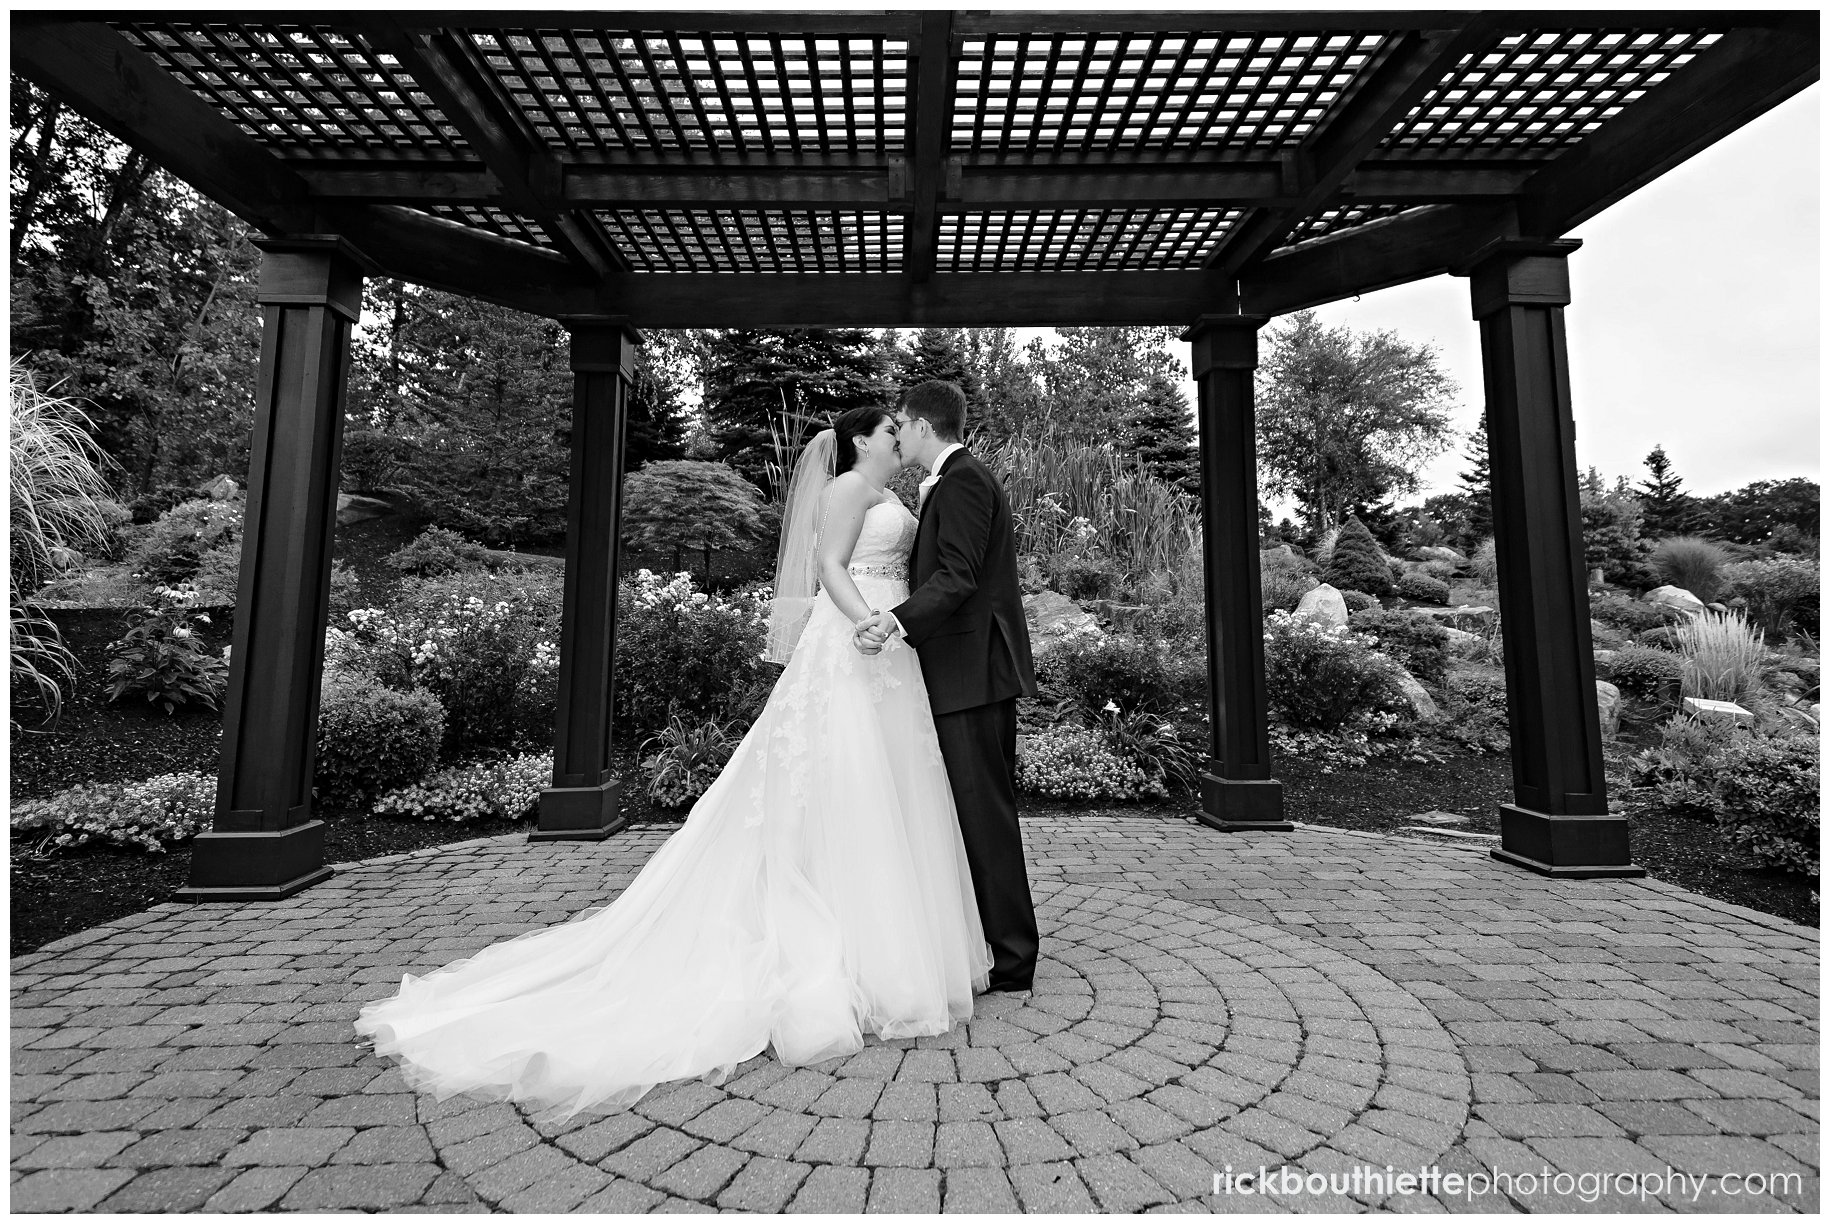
572	158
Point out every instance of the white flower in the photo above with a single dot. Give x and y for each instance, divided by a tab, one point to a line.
1111	707
181	632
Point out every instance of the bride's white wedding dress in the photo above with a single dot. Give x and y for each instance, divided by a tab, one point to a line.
818	891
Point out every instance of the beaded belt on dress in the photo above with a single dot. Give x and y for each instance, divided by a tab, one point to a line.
880	571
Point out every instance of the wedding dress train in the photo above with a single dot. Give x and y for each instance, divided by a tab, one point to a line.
818	891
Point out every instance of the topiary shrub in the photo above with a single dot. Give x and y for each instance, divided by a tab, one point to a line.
372	738
1417	643
1421	588
1322	677
1693	563
437	550
1356	562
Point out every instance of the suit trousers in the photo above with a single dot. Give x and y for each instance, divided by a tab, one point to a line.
979	746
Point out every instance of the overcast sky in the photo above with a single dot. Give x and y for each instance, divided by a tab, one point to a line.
1694	320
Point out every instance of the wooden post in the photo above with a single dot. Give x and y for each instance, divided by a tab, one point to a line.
264	844
1237	790
1558	823
582	802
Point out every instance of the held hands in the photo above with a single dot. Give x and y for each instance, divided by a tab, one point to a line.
870	634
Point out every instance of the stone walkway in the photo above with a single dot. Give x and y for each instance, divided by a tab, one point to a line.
1314	1003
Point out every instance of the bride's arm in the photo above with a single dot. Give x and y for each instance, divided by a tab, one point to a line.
848	498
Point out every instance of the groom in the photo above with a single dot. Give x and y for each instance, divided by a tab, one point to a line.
964	618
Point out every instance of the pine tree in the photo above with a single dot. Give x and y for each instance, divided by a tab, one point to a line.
939	354
1668	509
1356	563
1008	397
1477	482
756	379
1157	429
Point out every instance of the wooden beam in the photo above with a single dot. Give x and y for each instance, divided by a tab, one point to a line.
1379	254
404	185
712	187
444	66
729	21
932	70
98	73
1216	20
445	255
1740	77
1355	126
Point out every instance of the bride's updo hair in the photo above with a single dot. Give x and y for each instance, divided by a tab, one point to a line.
851	425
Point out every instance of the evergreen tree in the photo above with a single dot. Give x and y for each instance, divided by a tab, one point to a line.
1477	482
756	379
938	353
1667	508
657	404
1009	400
1157	429
1356	563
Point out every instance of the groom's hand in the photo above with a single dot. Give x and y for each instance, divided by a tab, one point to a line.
872	632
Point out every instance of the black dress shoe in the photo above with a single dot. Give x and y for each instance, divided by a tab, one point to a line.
1009	987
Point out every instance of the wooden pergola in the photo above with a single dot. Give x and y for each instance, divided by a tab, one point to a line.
1206	169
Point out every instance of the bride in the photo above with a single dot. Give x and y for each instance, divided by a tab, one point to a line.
818	891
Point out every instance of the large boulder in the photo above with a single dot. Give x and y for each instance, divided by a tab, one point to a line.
1463	644
1439	553
1674	597
1607	704
1421	704
1324	605
1053	616
1462	616
221	489
353	508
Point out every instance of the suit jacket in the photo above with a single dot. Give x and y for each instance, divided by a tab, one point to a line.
965	613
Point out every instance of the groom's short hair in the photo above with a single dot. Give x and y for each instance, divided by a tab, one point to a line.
941	404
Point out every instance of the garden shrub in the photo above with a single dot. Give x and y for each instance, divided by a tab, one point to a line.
172	548
1417	643
161	657
686	652
685	759
372	738
1069	762
1648	674
1421	588
1723	656
1767	796
1322	677
484	644
1119	669
1692	563
484	790
1474	711
1632	615
147	815
1781	593
1085	575
1611	537
1444	571
1283	588
437	550
1356	564
1358	601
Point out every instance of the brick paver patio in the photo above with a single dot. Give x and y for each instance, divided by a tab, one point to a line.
1315	1002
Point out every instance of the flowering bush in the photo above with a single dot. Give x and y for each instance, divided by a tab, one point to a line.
686	759
684	651
1321	676
485	790
161	657
148	815
484	644
372	738
1069	762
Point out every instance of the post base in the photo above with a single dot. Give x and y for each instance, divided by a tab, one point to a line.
1234	806
256	866
579	813
1567	847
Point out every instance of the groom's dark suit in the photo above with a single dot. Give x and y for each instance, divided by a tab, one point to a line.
965	619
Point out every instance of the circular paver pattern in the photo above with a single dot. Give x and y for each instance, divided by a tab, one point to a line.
1164	1043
